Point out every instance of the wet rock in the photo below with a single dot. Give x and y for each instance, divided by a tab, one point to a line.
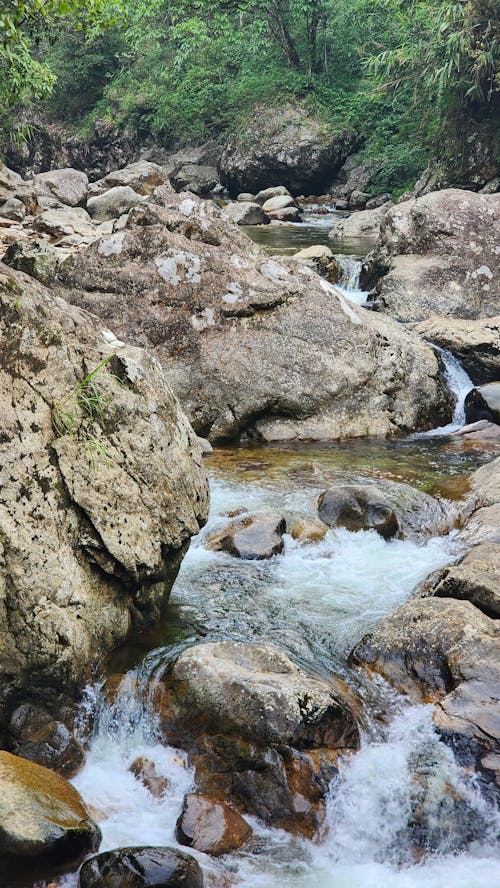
36	736
142	177
358	508
35	257
67	185
210	826
479	431
144	770
286	145
141	868
309	531
483	402
285	214
41	815
245	213
113	202
356	226
321	258
262	734
475	579
476	343
183	281
436	256
447	651
198	179
116	514
254	538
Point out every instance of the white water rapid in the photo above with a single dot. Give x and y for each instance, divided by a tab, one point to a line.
460	384
349	282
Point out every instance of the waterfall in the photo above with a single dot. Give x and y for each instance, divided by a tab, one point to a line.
349	282
460	384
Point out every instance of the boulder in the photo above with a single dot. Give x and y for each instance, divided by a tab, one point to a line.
14	188
309	531
64	221
198	179
288	145
476	579
437	255
68	186
35	735
96	451
210	826
113	203
245	213
379	201
268	193
483	402
142	177
35	257
321	258
389	507
358	508
476	343
280	202
14	209
246	197
358	226
41	815
262	734
253	538
354	175
141	868
358	199
286	214
179	279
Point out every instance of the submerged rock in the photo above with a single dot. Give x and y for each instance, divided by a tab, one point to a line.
358	508
210	826
180	279
309	531
102	486
144	770
141	868
262	734
41	815
254	538
437	256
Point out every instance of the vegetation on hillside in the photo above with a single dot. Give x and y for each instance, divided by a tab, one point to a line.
407	74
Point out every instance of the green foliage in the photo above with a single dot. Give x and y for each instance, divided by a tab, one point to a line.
85	403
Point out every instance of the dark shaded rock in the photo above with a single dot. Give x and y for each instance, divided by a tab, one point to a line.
34	257
141	868
254	538
484	403
358	508
476	343
34	735
210	826
198	179
41	815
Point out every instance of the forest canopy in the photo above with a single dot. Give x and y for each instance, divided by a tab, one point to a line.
408	75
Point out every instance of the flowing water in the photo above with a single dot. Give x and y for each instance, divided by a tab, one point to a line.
315	602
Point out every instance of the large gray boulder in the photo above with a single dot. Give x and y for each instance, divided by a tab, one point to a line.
483	402
263	734
364	225
245	213
198	179
101	484
143	177
113	202
438	255
476	343
252	342
287	145
67	185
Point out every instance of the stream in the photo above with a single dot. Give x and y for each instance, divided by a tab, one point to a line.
315	602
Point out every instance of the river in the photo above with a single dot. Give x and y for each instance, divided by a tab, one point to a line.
315	602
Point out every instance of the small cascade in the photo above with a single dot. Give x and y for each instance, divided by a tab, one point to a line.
349	282
460	384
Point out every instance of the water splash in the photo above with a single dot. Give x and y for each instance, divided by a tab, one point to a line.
460	384
349	282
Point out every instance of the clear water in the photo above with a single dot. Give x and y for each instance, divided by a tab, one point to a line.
314	601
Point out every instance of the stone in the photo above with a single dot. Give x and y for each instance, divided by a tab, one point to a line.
358	199
36	736
64	221
246	197
181	280
491	187
113	202
245	214
35	257
268	193
67	185
475	343
317	251
476	579
365	224
358	508
116	512
286	214
144	770
210	826
142	177
280	202
483	402
262	734
321	258
309	531
14	209
198	179
253	538
41	815
437	255
288	145
379	201
141	868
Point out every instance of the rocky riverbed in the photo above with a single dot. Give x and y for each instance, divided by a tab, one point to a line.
311	691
